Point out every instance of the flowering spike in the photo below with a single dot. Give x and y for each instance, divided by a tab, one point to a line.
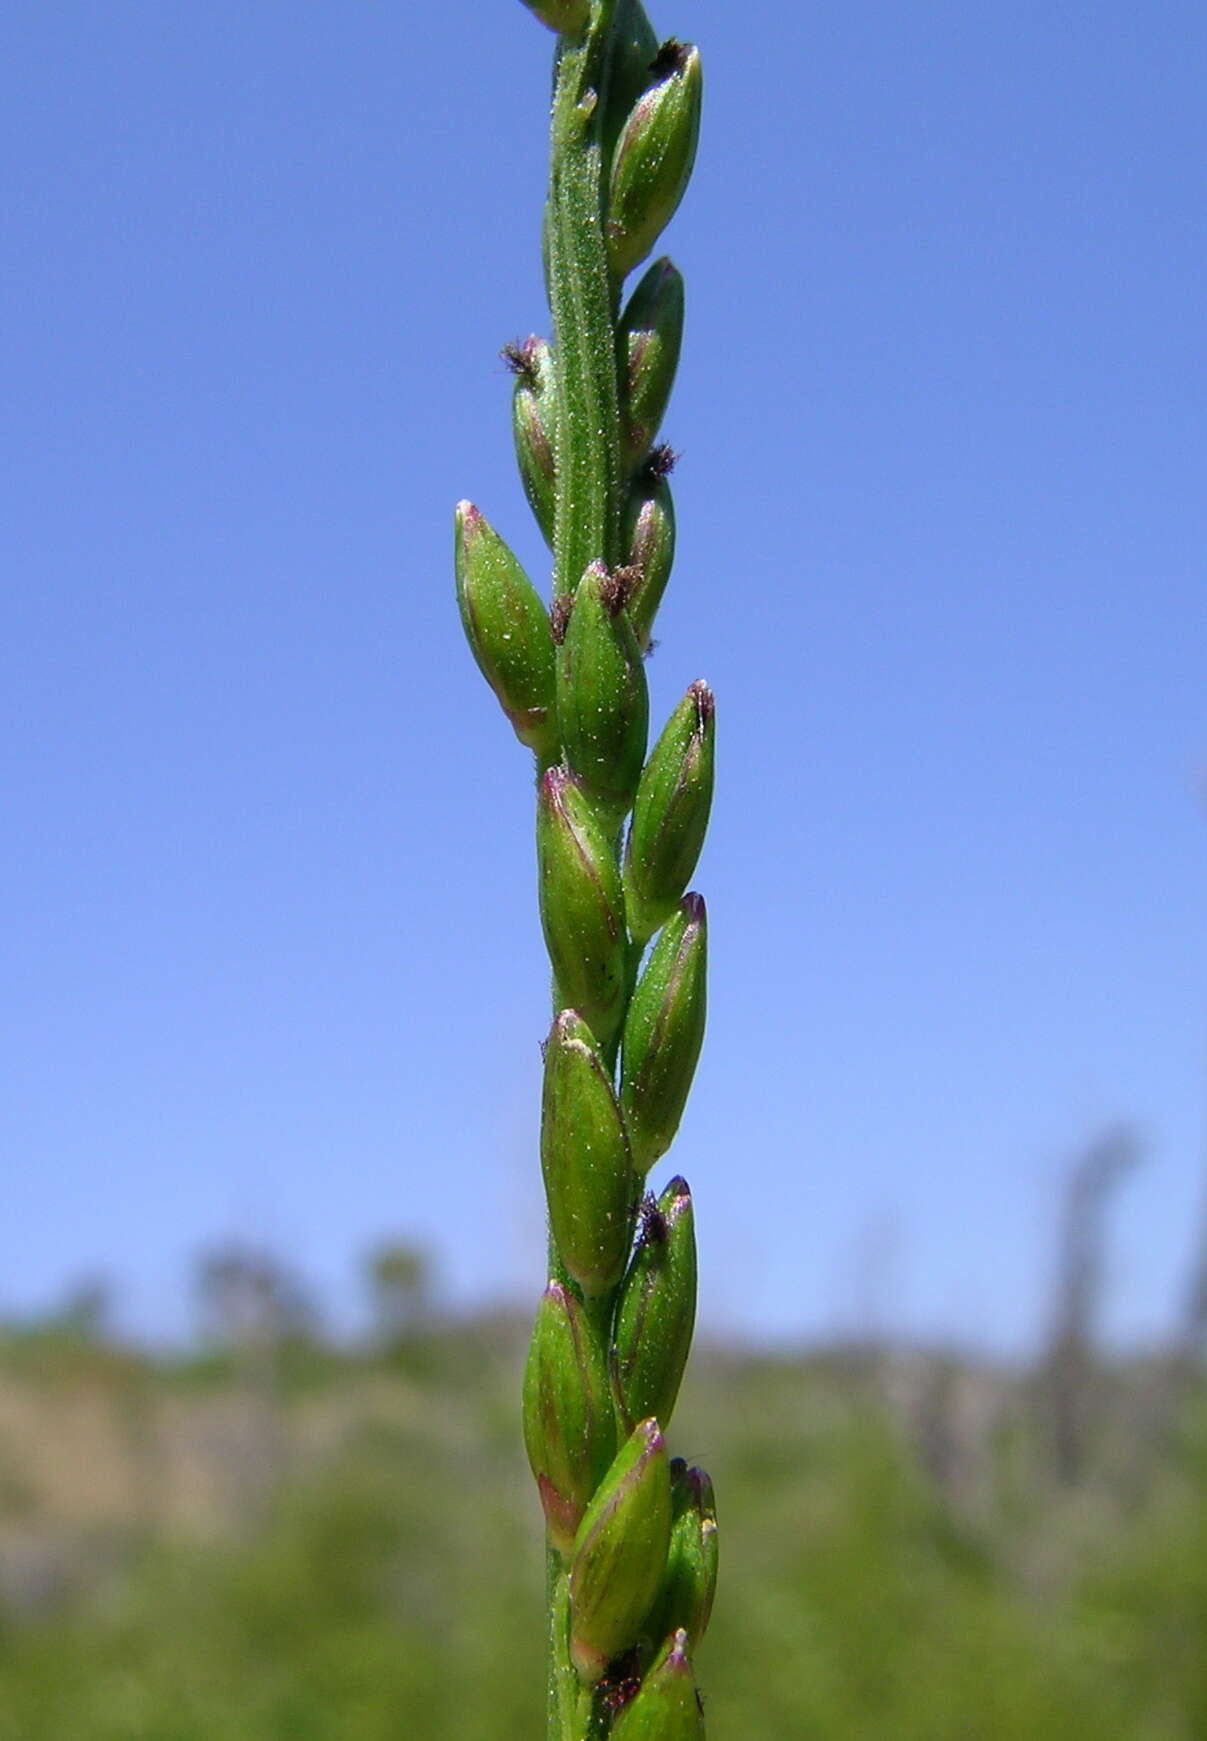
670	814
620	1553
654	157
608	1347
666	1707
507	628
605	707
582	905
569	1420
657	1310
663	1033
649	339
585	1159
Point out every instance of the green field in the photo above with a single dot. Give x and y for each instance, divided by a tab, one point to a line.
331	1546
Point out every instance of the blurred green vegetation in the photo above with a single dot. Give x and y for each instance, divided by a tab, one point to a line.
301	1543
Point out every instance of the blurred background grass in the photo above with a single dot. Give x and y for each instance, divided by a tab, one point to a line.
271	1536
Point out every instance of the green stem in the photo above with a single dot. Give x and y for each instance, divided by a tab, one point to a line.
563	1682
588	500
592	1723
572	1710
586	526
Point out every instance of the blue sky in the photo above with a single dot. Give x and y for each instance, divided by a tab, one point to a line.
273	966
